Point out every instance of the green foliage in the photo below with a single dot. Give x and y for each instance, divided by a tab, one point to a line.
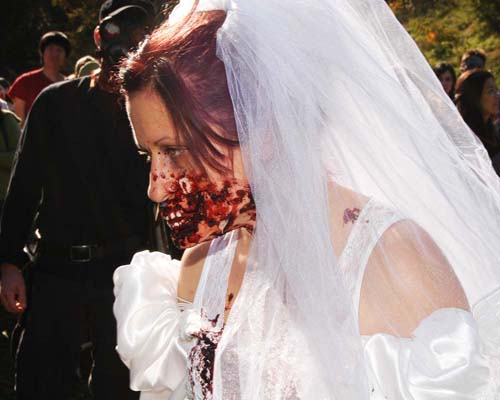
406	9
442	29
82	17
24	22
489	11
445	30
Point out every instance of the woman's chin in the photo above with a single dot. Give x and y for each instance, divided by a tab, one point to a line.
187	238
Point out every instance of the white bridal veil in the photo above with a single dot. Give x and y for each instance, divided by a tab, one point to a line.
336	91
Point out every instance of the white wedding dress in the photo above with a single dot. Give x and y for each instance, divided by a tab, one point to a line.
452	354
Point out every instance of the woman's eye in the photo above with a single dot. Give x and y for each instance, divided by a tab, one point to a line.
174	151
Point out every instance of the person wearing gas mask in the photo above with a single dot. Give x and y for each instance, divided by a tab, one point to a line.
78	169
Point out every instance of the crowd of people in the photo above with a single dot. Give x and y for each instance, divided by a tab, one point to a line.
17	98
477	97
75	209
264	172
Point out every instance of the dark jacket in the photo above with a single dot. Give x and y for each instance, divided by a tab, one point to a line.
77	165
9	136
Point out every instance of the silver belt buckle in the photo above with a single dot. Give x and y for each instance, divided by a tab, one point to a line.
82	253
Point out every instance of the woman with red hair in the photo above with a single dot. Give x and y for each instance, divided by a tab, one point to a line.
325	191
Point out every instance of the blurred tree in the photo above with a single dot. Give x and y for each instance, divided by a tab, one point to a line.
82	18
444	30
22	23
489	11
408	8
431	23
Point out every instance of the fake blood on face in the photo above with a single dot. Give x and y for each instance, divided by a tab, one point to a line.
197	209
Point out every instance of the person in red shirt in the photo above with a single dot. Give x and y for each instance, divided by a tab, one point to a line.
54	48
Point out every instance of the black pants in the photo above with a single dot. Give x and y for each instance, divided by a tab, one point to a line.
62	309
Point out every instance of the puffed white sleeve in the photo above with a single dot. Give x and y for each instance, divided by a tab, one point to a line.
487	314
446	358
149	321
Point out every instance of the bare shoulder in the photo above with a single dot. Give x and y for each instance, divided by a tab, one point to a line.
191	267
407	278
414	254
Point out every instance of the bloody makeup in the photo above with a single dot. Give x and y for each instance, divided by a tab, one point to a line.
350	215
197	210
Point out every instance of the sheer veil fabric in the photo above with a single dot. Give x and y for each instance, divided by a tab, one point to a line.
336	92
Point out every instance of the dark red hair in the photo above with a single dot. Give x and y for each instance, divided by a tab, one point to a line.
180	64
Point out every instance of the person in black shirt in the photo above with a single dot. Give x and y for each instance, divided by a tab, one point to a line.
77	167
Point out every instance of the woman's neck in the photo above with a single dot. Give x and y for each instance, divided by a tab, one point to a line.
245	239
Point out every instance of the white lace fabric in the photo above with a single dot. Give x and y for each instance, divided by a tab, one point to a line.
444	357
449	355
210	305
336	89
373	220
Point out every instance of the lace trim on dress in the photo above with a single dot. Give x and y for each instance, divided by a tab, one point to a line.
183	304
373	220
210	303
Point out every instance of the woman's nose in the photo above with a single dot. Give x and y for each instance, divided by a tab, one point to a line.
157	187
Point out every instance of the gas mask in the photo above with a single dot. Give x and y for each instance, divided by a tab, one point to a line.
122	32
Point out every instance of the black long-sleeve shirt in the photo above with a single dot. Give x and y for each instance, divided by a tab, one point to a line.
77	165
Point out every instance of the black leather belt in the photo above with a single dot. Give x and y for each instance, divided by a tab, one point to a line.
83	253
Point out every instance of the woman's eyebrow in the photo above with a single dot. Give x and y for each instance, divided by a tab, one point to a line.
155	143
168	141
160	142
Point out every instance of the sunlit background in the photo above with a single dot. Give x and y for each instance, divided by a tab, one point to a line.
443	29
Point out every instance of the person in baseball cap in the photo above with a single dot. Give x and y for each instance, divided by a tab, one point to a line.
122	25
118	6
77	150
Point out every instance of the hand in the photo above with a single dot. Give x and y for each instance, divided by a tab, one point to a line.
12	289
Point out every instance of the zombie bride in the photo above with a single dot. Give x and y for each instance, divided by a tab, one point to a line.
341	222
